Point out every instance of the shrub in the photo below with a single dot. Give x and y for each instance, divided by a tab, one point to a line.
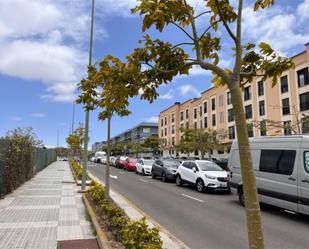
133	234
77	169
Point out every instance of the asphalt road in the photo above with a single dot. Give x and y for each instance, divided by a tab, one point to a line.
207	220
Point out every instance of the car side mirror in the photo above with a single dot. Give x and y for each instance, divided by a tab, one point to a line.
194	170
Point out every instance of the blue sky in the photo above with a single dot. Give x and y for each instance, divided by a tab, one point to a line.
44	46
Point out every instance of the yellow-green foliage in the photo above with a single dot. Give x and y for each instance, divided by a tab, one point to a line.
133	234
77	169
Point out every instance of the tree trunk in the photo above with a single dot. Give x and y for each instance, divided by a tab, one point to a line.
252	206
107	157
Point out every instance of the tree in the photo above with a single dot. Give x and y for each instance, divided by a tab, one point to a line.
136	148
75	140
152	143
157	62
113	97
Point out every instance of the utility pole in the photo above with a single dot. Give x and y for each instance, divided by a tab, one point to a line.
73	117
86	137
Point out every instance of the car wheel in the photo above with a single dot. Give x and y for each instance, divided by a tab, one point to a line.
178	180
163	177
153	175
241	197
136	172
200	186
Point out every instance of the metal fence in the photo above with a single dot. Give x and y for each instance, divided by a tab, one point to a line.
41	159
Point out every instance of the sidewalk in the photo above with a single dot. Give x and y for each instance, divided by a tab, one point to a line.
43	211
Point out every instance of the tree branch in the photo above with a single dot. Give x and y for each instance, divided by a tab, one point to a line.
172	70
227	27
214	68
203	13
208	29
182	43
178	26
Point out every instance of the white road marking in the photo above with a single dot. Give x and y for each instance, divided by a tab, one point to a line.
122	173
114	177
191	197
289	211
142	180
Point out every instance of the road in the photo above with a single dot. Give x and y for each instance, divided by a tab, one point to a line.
205	220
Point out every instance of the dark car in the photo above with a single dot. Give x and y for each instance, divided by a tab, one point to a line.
222	162
165	169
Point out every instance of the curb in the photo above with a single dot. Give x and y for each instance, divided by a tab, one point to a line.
135	213
101	237
78	182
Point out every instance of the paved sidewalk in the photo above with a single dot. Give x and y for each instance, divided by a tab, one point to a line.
43	211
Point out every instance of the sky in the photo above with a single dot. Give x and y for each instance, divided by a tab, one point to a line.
44	48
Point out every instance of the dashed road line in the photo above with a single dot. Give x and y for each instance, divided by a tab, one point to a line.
191	197
142	180
114	177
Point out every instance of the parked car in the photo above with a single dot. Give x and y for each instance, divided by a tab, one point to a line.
203	174
121	161
100	157
112	161
164	168
281	167
144	166
92	159
130	164
222	162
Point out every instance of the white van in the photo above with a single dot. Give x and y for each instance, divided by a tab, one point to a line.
100	157
281	166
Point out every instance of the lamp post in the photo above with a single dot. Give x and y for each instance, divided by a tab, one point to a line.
86	135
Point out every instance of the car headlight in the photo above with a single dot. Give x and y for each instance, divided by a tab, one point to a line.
210	177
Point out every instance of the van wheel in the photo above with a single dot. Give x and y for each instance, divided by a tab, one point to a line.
178	180
153	176
241	197
200	186
163	177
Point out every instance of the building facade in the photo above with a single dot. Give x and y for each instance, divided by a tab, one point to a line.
99	146
278	110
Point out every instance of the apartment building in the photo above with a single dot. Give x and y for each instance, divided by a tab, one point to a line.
269	111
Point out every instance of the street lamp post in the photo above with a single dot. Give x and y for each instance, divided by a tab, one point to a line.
86	135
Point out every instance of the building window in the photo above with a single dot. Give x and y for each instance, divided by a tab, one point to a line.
201	110
248	111
230	115
213	104
201	124
228	98
213	119
195	125
284	84
187	125
305	125
260	88
277	161
250	130
221	99
205	122
162	133
247	93
262	108
304	101
221	117
187	114
195	113
205	107
173	141
285	106
173	129
287	128
165	131
231	132
161	121
165	120
173	118
263	128
303	77
181	116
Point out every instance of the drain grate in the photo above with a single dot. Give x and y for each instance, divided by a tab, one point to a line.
78	244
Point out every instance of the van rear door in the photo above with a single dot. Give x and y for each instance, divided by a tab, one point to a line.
304	183
278	178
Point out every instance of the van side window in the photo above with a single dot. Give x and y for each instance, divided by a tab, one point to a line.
277	161
306	161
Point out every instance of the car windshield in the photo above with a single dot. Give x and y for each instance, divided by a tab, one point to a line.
171	163
148	162
209	166
132	160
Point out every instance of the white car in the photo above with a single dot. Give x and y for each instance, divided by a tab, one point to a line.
203	174
144	166
100	157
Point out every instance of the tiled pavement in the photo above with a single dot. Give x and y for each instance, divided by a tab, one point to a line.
44	210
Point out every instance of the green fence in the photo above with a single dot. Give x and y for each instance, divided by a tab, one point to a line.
41	158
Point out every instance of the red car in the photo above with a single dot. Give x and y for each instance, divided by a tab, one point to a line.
130	164
120	162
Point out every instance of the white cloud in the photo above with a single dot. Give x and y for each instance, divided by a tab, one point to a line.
167	96
274	26
38	115
15	118
303	10
152	119
189	90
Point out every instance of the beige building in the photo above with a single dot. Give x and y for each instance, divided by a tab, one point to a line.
269	110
